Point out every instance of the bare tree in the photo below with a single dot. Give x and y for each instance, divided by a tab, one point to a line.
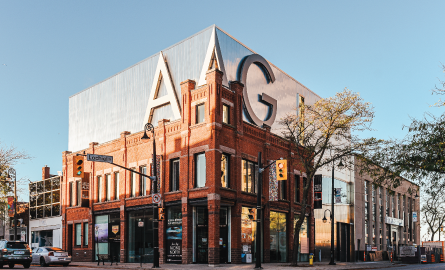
433	209
324	134
440	90
9	157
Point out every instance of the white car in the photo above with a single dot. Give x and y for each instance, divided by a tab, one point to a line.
50	255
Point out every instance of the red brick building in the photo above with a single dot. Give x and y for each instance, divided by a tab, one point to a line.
208	177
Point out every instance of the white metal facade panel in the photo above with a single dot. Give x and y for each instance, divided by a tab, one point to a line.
101	112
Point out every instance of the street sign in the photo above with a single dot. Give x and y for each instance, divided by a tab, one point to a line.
99	158
156	198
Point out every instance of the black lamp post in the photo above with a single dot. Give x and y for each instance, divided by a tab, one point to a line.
150	127
12	174
340	165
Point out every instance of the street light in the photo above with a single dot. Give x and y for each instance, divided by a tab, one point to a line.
340	165
12	174
324	217
150	127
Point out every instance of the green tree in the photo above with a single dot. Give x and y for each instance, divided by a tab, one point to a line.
323	134
419	156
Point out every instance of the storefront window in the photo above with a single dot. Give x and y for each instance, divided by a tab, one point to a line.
78	234
101	234
200	170
140	236
174	234
99	188
225	170
107	187
143	183
174	179
248	233
116	185
297	189
278	240
85	234
133	183
249	176
42	238
226	114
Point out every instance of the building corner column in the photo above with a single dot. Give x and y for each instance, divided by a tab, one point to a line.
213	204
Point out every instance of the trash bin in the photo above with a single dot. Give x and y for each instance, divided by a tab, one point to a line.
311	258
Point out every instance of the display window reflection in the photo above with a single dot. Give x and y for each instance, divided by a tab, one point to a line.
44	198
278	238
225	170
248	234
249	176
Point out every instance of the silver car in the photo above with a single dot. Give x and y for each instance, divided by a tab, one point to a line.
50	255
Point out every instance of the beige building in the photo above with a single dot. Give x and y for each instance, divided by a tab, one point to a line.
366	216
386	218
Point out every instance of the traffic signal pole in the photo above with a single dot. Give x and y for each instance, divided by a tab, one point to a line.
155	209
258	214
259	210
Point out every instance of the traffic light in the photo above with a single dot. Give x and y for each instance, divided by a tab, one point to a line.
161	214
78	166
281	169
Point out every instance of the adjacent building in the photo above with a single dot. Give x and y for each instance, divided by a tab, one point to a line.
386	218
215	105
45	221
368	217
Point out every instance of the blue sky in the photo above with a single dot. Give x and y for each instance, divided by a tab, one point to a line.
388	51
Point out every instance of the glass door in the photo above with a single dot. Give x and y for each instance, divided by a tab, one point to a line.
202	232
140	240
223	236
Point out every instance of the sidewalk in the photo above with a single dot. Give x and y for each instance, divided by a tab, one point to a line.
278	266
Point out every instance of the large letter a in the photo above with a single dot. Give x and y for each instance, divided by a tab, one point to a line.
161	74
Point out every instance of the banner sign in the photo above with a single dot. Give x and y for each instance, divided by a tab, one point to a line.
273	183
318	191
414	216
407	251
158	171
11	206
337	195
174	240
394	221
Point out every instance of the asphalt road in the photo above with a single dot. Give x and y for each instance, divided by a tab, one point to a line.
418	266
404	267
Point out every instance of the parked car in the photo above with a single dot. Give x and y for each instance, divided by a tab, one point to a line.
15	252
50	255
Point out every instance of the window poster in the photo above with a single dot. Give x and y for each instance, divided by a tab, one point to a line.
318	191
248	229
174	235
101	232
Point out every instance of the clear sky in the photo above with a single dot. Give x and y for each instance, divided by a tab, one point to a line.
388	51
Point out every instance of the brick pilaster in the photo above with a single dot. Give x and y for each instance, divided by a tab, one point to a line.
213	204
187	232
236	233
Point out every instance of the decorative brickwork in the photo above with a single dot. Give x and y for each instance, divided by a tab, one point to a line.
183	139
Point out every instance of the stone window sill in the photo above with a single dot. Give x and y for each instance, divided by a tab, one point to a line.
199	188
